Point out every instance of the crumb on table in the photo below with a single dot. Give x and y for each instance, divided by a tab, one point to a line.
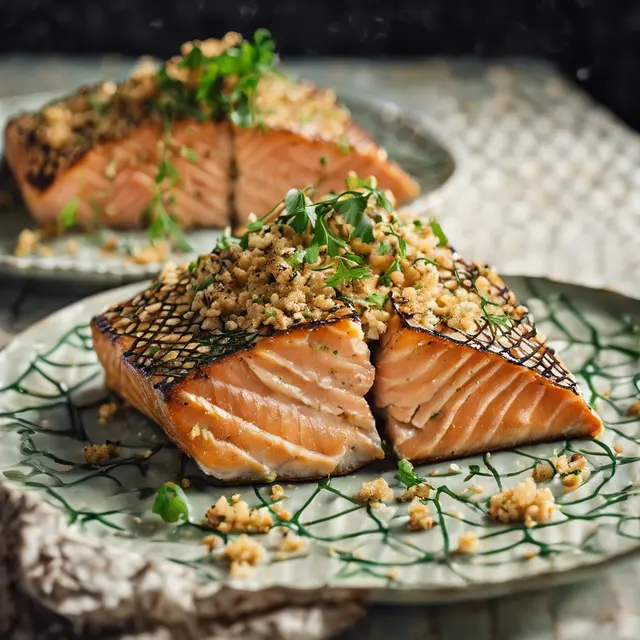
100	453
375	491
211	541
526	502
634	409
277	492
28	243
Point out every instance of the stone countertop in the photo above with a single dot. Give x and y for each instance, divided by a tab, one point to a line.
546	183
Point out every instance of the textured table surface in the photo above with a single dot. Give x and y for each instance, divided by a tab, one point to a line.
546	184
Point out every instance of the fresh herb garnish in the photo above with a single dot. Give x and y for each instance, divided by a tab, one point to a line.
347	272
296	259
343	145
207	282
190	154
385	278
324	161
226	83
68	217
439	233
402	245
376	300
171	503
407	476
383	249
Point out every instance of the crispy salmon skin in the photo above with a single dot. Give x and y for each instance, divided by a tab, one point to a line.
255	359
205	139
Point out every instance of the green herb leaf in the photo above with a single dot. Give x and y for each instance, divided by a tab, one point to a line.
376	300
439	233
407	476
207	282
296	260
345	273
352	257
323	237
313	253
382	200
68	217
385	278
324	161
343	145
418	224
171	503
189	154
383	249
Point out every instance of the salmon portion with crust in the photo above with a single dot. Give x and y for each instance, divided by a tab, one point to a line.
104	147
255	358
445	399
289	406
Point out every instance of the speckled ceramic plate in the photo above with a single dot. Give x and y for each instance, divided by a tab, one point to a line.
51	388
405	138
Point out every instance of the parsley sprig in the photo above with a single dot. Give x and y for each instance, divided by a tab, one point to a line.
407	476
226	83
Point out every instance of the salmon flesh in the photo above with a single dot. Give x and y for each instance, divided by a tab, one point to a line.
107	161
255	359
245	408
445	395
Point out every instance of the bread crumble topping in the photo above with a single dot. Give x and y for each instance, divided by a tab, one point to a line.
526	502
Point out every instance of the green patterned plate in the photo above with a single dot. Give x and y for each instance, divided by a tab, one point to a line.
51	388
405	138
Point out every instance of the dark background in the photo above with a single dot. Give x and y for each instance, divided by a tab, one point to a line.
595	42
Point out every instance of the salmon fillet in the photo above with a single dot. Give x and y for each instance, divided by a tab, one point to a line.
288	406
445	396
255	358
102	148
113	183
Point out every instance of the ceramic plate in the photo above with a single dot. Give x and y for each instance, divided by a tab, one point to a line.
51	388
405	138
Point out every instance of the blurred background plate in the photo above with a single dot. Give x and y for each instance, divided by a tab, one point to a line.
407	140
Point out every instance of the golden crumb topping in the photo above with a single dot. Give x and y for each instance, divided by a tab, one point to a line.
526	502
97	454
468	543
243	553
319	260
421	490
238	516
419	516
375	491
106	412
291	545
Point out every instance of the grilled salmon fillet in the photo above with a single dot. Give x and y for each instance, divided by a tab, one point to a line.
108	148
255	359
446	397
289	406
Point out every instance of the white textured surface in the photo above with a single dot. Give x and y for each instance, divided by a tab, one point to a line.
548	184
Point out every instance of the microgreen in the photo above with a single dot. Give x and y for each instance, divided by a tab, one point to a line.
207	282
296	259
190	154
171	503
